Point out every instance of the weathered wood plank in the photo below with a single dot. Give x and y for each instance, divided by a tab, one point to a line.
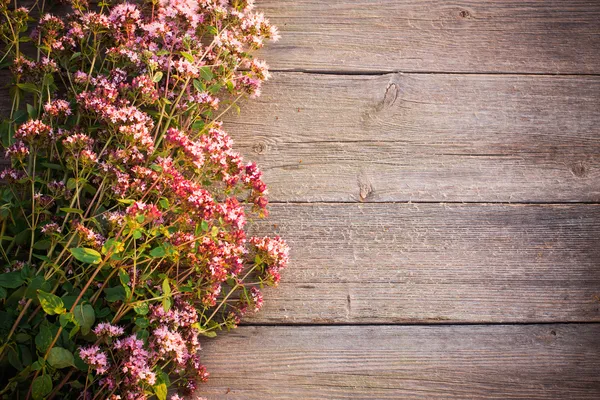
549	36
394	362
407	137
432	263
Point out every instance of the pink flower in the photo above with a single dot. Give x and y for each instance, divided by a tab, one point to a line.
105	329
95	358
18	151
57	108
34	131
136	360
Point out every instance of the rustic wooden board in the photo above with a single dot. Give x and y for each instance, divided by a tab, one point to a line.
407	137
551	36
395	362
435	263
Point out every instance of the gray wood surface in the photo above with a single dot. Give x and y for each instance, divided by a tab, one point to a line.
499	103
551	36
435	263
400	362
407	137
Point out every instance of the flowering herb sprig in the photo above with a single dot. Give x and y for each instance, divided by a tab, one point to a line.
123	212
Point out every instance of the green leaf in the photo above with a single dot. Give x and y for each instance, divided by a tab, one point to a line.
36	284
11	280
166	303
206	73
142	322
85	317
113	246
42	245
41	387
3	293
44	338
141	309
31	111
85	255
204	225
160	388
124	277
28	87
60	358
104	312
72	210
201	87
65	318
50	303
57	167
214	89
166	287
158	252
198	126
115	294
71	183
187	56
157	77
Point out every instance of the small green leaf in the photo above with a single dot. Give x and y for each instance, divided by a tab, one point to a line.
112	246
11	280
42	245
60	358
44	338
41	387
199	85
50	303
65	318
115	294
85	317
142	322
214	89
71	210
124	277
160	388
85	255
166	287
36	284
166	303
187	56
206	73
204	225
157	77
71	183
157	252
28	87
141	309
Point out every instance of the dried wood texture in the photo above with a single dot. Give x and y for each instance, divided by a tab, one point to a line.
550	36
432	263
393	362
406	137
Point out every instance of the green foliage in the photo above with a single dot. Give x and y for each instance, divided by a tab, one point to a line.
51	304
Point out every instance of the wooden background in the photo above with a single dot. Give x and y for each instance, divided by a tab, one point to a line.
435	166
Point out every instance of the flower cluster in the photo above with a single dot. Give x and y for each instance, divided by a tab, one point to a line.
125	206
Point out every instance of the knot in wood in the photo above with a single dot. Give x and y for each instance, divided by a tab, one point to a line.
259	148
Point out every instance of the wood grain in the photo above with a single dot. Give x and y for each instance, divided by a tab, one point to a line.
435	263
551	36
394	362
406	137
